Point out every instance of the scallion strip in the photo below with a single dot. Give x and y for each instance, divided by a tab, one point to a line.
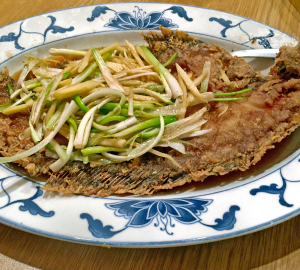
118	118
171	59
84	74
10	89
99	150
233	93
5	105
22	99
96	130
56	166
48	104
142	148
228	99
66	113
111	81
33	85
171	81
156	88
138	113
85	159
123	125
53	51
80	104
149	132
153	94
60	152
123	112
73	123
136	105
66	75
155	122
42	99
35	137
50	147
107	55
55	117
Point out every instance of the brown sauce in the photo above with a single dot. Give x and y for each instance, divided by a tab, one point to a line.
272	157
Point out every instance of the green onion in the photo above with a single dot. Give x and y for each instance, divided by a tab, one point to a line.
153	94
149	132
171	59
138	113
123	112
60	152
39	104
73	90
23	99
66	113
165	84
84	74
111	81
85	159
123	125
66	75
233	93
111	105
5	105
86	123
228	99
118	118
140	149
204	84
101	127
155	122
10	89
35	137
80	104
56	166
106	56
156	88
55	117
48	104
73	123
95	130
172	82
99	150
50	147
33	85
53	51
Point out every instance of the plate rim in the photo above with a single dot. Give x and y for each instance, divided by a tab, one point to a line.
191	241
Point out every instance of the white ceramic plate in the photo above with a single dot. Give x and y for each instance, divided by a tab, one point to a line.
220	208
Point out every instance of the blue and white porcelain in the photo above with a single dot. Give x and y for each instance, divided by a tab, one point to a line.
242	204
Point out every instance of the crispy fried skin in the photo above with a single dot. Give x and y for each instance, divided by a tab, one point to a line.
239	137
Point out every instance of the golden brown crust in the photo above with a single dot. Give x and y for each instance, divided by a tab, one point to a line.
238	138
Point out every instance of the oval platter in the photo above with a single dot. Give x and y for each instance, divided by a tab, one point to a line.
220	208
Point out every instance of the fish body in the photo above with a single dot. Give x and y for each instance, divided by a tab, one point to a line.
240	131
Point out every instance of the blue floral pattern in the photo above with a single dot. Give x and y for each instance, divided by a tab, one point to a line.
206	217
274	189
139	19
160	212
262	40
27	204
12	37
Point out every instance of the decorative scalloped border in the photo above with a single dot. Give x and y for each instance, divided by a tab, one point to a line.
140	213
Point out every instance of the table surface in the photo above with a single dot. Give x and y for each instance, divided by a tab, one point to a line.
274	248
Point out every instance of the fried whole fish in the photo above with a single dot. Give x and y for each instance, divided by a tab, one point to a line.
241	131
